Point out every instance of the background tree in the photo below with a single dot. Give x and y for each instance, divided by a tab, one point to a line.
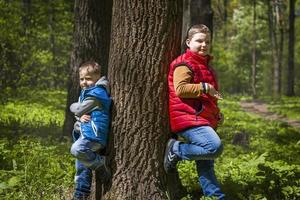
277	35
254	94
145	38
291	49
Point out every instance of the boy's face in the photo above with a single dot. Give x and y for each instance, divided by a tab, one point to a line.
199	43
87	79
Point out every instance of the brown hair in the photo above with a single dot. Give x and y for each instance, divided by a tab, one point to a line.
91	67
198	28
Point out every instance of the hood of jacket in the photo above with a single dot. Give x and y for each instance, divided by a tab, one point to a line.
104	83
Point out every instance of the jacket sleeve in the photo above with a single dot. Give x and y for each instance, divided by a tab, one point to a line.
85	107
182	83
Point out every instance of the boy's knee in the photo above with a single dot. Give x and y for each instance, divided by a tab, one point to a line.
218	149
76	151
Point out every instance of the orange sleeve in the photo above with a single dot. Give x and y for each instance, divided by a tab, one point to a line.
182	83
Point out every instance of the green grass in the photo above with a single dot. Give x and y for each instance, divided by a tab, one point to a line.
286	106
34	157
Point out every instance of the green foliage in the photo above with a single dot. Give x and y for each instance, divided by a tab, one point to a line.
286	106
264	168
188	174
43	108
232	48
35	43
33	169
35	162
233	43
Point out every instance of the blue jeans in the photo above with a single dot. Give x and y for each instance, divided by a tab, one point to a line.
87	160
204	145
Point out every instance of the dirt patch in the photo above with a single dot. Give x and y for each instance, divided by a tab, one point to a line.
261	108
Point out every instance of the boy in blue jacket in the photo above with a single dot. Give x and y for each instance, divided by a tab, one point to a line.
90	133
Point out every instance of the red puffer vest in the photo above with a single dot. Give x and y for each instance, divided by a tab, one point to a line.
190	112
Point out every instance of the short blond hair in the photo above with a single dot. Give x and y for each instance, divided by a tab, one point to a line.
91	67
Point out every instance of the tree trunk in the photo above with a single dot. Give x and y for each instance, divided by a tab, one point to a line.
145	39
51	22
291	46
225	19
279	16
91	42
253	84
275	52
196	12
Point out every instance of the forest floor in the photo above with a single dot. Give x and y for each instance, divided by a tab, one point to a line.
260	108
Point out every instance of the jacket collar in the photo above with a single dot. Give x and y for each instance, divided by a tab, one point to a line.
199	58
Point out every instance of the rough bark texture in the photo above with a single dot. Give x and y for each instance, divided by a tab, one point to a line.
145	38
91	42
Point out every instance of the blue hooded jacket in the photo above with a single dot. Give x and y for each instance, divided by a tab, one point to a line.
98	127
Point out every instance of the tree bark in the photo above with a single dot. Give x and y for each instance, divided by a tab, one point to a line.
291	50
145	39
91	42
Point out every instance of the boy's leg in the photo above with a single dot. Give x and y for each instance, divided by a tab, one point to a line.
203	144
86	151
83	181
87	160
207	179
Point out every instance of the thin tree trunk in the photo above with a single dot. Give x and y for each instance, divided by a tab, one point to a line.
225	3
52	42
279	17
291	46
145	38
274	46
254	94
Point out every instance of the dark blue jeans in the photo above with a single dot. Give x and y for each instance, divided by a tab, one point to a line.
86	160
204	145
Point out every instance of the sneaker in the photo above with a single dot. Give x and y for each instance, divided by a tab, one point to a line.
170	158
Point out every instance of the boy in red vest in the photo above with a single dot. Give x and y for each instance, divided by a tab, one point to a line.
194	114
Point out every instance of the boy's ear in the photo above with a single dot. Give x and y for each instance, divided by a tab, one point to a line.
187	42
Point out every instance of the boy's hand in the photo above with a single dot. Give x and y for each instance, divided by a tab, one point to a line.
213	92
85	118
